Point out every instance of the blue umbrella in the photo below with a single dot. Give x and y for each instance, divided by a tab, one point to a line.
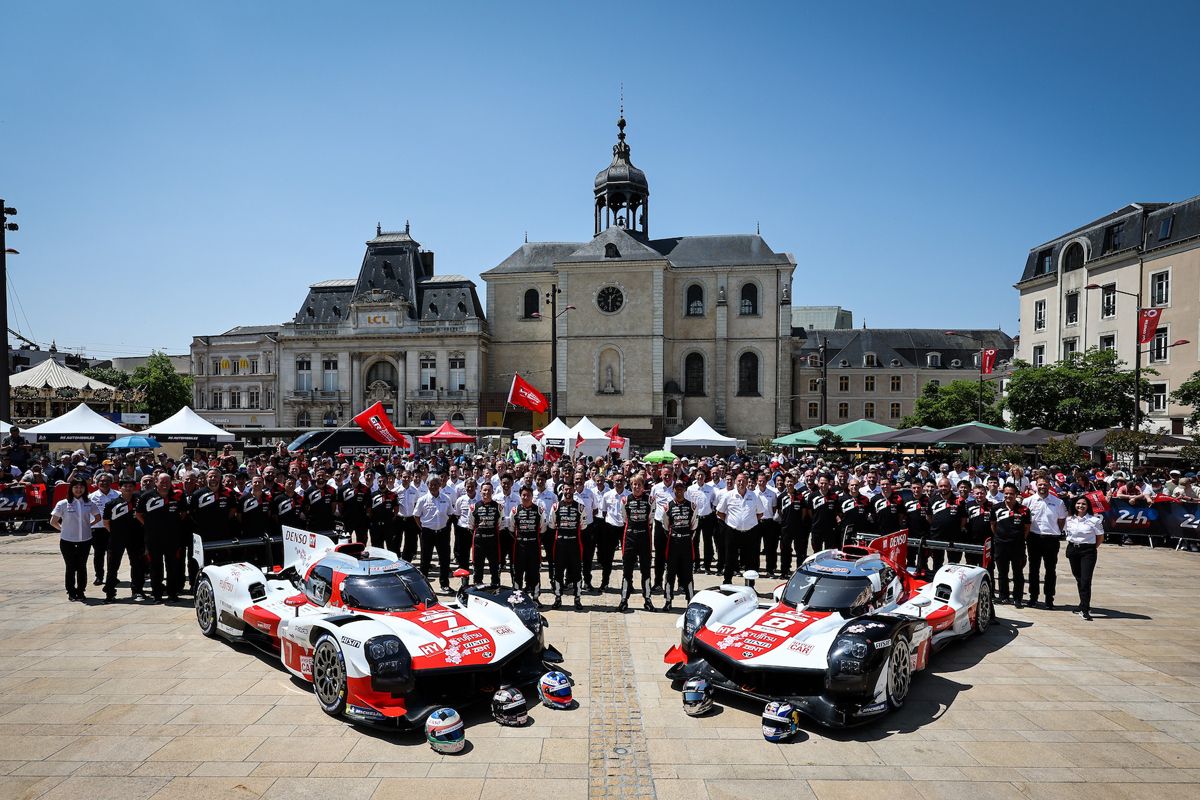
134	442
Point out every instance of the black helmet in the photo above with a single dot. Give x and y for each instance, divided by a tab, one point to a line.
508	707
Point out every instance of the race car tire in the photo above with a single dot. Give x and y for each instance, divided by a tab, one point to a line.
206	607
899	672
329	676
984	610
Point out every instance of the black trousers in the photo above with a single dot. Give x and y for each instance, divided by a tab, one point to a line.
705	541
768	534
660	552
527	567
463	540
1006	557
99	551
679	556
75	557
380	533
485	552
410	536
118	545
720	534
607	538
635	554
826	538
588	557
440	540
1083	564
568	561
792	541
1043	554
741	551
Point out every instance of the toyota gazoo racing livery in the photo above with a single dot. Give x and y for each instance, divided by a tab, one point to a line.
369	633
841	639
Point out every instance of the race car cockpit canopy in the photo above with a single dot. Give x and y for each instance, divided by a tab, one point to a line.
368	583
853	587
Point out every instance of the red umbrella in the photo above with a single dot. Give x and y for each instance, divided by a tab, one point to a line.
446	434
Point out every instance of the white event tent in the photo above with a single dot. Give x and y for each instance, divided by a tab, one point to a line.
80	424
701	436
188	427
595	441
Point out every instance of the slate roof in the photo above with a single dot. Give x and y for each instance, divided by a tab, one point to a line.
821	317
908	346
251	330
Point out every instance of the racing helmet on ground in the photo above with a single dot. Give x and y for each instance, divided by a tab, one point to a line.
444	731
554	689
780	721
508	706
697	697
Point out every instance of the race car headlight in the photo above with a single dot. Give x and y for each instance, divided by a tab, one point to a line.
857	649
383	647
693	620
390	663
529	616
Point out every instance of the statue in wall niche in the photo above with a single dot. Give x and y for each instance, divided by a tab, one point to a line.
720	294
609	386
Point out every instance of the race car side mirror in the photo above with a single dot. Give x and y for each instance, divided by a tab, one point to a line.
464	574
751	576
921	603
777	595
295	601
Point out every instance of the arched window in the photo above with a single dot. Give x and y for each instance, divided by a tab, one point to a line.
302	419
457	418
427	418
695	300
748	375
1073	257
693	375
330	419
672	410
382	371
531	303
749	304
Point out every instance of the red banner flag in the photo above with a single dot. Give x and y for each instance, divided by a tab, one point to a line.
615	440
374	421
1148	324
538	434
523	394
1098	500
578	440
988	362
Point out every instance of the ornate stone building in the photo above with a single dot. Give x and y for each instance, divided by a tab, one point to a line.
651	333
397	333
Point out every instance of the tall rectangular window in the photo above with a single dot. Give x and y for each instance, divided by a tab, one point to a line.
253	365
1164	227
1039	315
896	383
1072	308
1045	261
252	396
812	410
869	383
235	398
458	374
1069	348
216	367
1108	341
303	374
1158	347
1039	355
894	411
1108	301
843	410
868	411
1114	238
329	375
1160	288
814	384
428	373
1158	397
843	383
235	365
270	399
216	400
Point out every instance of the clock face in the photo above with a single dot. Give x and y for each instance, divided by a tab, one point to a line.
610	299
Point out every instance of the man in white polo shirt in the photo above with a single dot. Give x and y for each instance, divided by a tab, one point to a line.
1047	515
740	510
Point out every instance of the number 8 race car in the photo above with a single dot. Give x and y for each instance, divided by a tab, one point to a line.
842	638
368	631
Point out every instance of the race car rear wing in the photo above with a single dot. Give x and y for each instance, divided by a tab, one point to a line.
895	546
261	551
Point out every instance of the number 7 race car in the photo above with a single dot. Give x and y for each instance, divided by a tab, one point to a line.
368	631
841	639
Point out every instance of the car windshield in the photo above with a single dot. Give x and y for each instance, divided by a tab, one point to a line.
399	590
829	592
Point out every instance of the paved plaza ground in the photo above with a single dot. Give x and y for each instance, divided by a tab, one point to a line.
126	702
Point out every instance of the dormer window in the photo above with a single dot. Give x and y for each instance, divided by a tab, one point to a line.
869	360
611	251
933	360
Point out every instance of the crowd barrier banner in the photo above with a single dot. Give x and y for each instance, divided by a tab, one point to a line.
1167	519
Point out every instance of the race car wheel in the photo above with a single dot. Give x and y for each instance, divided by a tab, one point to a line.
206	607
899	675
984	611
329	676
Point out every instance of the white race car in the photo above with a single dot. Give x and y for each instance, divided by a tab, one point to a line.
371	635
841	639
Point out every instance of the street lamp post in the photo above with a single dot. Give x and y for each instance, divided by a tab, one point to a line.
824	381
552	301
5	226
980	342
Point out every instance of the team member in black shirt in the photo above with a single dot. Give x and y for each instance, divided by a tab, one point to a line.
485	535
383	518
319	500
793	531
213	509
917	507
527	527
680	518
160	511
636	542
824	509
287	508
355	497
255	509
125	536
566	523
854	515
978	526
946	520
1010	530
887	509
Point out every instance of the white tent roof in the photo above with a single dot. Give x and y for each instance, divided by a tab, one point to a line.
80	424
4	427
701	434
56	376
184	425
589	430
556	429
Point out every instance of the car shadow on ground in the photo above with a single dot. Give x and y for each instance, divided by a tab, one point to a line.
933	692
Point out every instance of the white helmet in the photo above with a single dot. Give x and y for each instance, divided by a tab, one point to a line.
697	697
444	731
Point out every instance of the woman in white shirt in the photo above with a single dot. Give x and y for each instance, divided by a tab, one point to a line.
1085	532
73	517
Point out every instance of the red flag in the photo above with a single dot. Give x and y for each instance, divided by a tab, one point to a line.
538	434
578	440
523	394
1098	500
374	421
615	440
988	362
1148	324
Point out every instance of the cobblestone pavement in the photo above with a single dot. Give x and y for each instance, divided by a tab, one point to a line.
129	702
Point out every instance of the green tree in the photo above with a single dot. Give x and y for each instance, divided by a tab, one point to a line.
1088	391
1123	443
113	377
166	390
827	440
954	403
1188	394
1062	451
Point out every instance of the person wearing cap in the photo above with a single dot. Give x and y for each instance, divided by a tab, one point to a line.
100	497
1048	516
125	535
1172	482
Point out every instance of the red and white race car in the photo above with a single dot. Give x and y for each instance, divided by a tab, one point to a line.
371	635
840	640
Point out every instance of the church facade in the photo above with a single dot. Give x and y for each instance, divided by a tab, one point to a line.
648	332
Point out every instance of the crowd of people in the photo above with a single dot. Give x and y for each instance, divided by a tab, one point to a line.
591	525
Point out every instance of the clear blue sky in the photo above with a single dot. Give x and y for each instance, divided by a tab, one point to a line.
181	168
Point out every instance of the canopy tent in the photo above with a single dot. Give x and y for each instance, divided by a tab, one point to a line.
1041	435
80	424
554	434
188	427
446	434
700	435
893	436
851	433
971	433
4	428
1094	440
595	441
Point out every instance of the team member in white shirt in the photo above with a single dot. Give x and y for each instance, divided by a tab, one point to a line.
433	513
406	500
611	528
100	498
73	517
703	496
1085	532
661	494
1048	516
593	508
741	511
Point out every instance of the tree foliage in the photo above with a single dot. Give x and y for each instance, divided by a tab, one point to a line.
166	390
113	377
1188	394
1122	443
954	403
1088	391
827	440
1062	451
